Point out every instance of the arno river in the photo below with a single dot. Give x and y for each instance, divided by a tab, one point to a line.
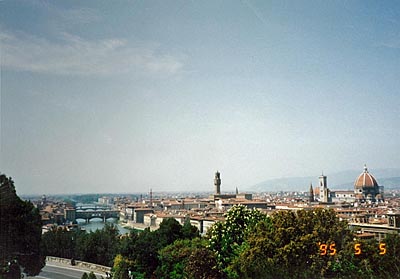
97	223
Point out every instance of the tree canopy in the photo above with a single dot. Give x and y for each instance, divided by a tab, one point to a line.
226	238
287	247
100	246
156	253
248	244
20	232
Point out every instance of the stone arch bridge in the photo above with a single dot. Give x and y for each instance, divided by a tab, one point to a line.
91	213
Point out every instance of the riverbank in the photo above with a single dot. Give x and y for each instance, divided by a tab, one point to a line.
136	226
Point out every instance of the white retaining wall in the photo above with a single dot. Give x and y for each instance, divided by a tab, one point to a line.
84	265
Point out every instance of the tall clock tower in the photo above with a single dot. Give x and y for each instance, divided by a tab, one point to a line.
217	183
323	189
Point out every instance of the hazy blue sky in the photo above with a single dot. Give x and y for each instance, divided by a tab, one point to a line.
124	96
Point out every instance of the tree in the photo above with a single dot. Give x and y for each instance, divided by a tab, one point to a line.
20	232
59	242
127	244
92	276
371	262
100	246
388	264
202	264
189	231
142	249
146	253
226	238
169	231
288	246
121	267
174	257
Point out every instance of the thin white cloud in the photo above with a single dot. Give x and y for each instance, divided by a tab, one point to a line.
74	55
394	44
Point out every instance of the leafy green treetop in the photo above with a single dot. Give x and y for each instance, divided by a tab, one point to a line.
91	275
288	247
174	258
226	238
140	252
20	231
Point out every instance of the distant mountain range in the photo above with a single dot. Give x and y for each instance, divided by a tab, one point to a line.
344	180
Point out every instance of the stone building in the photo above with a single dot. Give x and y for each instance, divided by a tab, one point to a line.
366	188
324	193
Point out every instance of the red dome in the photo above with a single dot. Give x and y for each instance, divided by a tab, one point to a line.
365	179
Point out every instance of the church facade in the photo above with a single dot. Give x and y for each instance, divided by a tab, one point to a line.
366	189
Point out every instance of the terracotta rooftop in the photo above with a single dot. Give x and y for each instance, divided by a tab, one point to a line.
365	179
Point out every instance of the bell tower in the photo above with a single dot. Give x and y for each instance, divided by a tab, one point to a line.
217	183
323	189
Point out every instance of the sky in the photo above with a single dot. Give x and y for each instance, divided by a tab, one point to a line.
124	96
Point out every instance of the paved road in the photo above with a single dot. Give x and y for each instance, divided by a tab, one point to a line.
52	271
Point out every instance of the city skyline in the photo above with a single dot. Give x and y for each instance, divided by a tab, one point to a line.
130	96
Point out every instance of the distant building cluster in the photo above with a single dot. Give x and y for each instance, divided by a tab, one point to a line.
364	207
54	213
366	190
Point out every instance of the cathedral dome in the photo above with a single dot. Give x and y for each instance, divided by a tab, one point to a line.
365	180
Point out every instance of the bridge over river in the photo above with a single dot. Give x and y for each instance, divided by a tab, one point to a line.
90	212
